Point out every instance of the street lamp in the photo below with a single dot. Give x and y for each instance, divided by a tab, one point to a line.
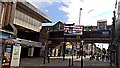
80	15
81	41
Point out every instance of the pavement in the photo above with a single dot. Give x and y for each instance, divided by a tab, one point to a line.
57	61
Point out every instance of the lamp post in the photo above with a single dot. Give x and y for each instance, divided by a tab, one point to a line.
82	53
81	41
80	15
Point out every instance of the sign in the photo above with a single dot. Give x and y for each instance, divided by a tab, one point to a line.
16	56
97	34
73	30
7	56
69	46
105	33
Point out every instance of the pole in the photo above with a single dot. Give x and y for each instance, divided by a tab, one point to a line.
44	60
72	54
69	62
82	54
80	15
64	49
82	40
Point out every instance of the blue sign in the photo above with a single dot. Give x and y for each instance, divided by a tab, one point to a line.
17	44
4	35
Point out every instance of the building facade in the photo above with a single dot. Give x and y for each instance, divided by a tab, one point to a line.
102	24
117	37
25	21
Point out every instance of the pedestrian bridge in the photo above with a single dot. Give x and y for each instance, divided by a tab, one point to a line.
101	36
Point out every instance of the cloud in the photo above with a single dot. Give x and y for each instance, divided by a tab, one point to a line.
91	11
46	10
91	8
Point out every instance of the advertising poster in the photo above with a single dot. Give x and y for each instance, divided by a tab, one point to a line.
16	56
7	56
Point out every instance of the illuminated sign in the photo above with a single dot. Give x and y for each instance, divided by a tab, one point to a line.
69	46
73	30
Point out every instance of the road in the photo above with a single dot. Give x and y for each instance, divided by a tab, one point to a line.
58	62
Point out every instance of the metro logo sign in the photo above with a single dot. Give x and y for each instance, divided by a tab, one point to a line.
73	30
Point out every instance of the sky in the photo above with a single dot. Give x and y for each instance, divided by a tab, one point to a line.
68	11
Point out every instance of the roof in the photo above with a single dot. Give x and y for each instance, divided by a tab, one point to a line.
50	24
102	21
30	8
6	31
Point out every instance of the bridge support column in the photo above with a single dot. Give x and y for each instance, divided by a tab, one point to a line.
30	52
118	55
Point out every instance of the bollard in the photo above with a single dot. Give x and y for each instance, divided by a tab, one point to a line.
48	58
44	60
69	62
72	60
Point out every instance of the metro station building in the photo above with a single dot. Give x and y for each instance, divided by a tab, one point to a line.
25	21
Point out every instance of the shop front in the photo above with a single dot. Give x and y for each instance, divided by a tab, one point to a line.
5	48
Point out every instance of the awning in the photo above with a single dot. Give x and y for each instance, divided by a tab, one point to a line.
30	43
9	41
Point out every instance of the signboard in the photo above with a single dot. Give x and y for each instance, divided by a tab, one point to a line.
69	47
73	30
16	55
97	34
105	33
7	56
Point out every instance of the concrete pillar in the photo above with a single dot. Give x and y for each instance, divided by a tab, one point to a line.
53	50
61	50
93	49
1	15
118	54
30	52
56	52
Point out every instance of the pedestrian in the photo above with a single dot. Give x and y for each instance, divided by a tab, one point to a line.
78	54
103	57
98	57
107	58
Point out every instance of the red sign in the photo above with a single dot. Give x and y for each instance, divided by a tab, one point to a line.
73	30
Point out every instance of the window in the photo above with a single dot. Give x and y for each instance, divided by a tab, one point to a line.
27	18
